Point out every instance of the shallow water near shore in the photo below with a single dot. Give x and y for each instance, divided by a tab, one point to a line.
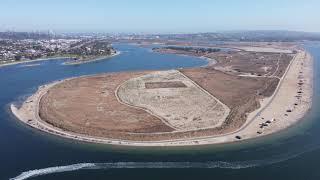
293	153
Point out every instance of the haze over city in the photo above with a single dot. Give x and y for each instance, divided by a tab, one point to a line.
166	16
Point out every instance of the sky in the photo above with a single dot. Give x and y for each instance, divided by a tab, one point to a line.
159	16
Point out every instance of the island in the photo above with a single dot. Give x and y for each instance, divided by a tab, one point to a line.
246	91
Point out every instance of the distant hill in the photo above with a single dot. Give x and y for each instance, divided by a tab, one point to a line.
261	35
274	35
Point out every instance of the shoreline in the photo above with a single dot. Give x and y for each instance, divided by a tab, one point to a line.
28	113
35	60
77	62
210	61
58	57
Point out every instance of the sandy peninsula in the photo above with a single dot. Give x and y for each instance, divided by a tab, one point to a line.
70	61
145	103
91	59
30	61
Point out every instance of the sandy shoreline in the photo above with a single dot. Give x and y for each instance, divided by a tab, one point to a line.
93	60
62	57
30	61
273	109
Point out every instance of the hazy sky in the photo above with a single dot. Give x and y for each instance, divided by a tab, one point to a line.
159	16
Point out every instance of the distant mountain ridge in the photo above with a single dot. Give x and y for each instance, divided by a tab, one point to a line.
257	35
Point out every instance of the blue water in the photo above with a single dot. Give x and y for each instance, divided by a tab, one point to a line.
291	154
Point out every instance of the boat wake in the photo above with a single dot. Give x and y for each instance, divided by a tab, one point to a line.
118	165
52	170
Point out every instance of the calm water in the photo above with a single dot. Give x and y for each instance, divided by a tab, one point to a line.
294	153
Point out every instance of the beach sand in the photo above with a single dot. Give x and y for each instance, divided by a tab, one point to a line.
77	62
30	61
62	57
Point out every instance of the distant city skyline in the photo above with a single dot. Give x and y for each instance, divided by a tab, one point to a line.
165	16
